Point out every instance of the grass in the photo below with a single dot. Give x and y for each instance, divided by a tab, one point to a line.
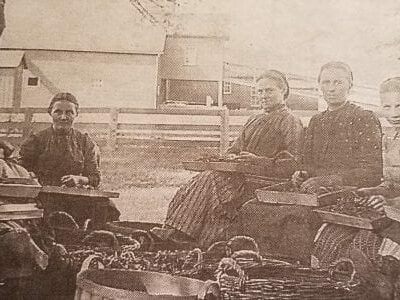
147	178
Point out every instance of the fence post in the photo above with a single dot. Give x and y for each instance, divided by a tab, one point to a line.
112	129
224	128
28	116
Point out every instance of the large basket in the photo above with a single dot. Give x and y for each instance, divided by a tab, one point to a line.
287	282
194	263
127	284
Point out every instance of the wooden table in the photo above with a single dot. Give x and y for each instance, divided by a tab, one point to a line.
72	191
71	199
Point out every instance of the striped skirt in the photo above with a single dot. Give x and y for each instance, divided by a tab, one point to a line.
194	208
336	241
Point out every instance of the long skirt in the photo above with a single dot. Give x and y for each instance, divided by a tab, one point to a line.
336	241
196	207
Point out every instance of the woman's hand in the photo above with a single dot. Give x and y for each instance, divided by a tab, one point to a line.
371	191
74	180
314	184
253	158
299	177
376	202
230	156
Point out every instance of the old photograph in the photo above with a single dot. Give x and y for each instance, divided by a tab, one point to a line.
199	149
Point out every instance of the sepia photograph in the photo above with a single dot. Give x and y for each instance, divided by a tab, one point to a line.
199	149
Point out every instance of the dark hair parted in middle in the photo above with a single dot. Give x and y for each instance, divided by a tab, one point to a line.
337	65
278	77
63	97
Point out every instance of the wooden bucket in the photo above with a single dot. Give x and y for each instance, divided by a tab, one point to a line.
112	284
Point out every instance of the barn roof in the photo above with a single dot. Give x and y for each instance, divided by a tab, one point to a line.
79	25
11	59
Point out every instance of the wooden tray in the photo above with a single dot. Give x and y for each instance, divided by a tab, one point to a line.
352	221
19	190
275	194
225	166
20	212
78	192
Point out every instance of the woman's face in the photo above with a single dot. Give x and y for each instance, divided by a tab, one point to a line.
391	106
335	86
269	93
63	114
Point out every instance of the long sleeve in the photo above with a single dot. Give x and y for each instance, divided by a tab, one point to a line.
29	153
238	145
293	139
368	149
91	162
307	149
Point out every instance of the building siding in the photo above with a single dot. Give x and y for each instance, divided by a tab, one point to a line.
7	83
97	79
191	91
209	59
239	98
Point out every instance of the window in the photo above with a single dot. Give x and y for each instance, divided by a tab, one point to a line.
33	81
190	56
227	88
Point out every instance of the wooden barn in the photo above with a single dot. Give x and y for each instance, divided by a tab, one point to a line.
192	64
96	50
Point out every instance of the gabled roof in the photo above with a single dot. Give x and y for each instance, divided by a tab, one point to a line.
79	25
10	58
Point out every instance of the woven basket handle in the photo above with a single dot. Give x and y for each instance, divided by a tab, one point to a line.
244	238
247	253
200	258
227	264
88	260
335	265
209	287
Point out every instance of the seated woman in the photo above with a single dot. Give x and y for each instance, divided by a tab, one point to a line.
202	209
9	167
343	146
380	247
19	254
63	156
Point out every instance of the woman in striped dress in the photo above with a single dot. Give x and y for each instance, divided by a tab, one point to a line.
202	209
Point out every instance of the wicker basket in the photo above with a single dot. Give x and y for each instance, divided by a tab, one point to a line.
127	284
286	282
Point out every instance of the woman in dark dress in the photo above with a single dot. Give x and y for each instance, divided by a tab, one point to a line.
63	156
205	207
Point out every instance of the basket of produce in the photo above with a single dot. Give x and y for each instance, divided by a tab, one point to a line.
136	230
349	212
288	193
288	282
194	263
118	284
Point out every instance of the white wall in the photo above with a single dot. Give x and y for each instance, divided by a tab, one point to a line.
96	79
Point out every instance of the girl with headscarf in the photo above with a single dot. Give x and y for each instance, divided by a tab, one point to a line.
61	155
204	208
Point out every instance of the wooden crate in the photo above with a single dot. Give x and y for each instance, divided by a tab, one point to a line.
223	166
20	212
19	190
276	194
78	192
352	221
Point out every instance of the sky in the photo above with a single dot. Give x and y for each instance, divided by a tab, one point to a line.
295	36
298	36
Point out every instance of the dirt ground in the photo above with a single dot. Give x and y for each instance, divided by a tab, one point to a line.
147	178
